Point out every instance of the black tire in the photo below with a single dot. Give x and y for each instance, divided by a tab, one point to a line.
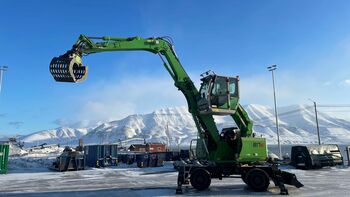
243	176
200	179
257	180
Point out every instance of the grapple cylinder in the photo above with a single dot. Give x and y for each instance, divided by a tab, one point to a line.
68	69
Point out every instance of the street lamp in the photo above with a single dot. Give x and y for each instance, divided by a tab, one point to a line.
272	68
2	69
318	128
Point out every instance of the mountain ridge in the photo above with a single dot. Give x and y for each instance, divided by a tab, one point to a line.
175	126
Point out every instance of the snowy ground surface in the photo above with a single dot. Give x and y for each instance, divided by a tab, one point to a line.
28	175
150	182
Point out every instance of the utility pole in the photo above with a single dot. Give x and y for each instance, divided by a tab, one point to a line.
271	69
317	126
2	69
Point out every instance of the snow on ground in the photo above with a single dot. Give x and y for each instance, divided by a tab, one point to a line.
16	151
31	157
28	175
143	182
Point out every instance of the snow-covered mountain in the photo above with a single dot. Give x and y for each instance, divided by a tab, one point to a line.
61	135
170	125
297	125
175	126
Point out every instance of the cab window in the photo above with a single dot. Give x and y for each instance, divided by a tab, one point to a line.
204	90
219	87
233	87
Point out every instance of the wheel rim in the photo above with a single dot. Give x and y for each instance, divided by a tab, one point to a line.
200	179
258	180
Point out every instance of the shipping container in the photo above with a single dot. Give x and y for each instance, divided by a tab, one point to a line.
4	153
150	160
69	161
142	160
172	156
153	160
101	155
161	159
130	159
122	158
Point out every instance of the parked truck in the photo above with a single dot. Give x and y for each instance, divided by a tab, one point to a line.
316	156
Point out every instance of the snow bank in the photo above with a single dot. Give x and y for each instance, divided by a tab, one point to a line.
32	158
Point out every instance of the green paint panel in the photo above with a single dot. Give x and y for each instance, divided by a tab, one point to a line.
253	150
4	154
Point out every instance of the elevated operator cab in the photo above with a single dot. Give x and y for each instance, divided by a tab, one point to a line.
219	95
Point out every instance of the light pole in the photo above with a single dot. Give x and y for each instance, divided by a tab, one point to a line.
272	68
318	128
2	69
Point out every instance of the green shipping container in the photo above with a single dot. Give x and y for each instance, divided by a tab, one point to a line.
4	155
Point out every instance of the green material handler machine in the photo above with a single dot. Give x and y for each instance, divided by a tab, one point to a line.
232	152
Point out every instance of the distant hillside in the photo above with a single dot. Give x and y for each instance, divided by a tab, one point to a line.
61	135
175	126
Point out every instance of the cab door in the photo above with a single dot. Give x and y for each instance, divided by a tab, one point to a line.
220	93
233	92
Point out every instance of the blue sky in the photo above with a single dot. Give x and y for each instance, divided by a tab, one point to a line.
308	40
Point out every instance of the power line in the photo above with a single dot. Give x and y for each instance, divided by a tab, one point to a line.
284	114
335	106
305	108
256	121
335	110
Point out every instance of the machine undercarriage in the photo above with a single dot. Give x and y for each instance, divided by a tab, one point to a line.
257	177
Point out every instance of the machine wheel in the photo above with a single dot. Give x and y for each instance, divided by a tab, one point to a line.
244	176
244	179
200	179
257	180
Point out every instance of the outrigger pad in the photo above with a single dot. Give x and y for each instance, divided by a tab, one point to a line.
290	179
68	69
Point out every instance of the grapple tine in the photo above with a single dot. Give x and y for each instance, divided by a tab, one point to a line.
68	69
